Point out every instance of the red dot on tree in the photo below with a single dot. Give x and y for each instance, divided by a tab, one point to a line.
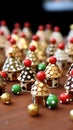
1	33
27	24
57	28
52	59
52	40
15	31
8	37
71	40
3	23
27	62
12	41
48	26
35	37
32	47
41	75
61	46
22	34
41	27
3	74
17	25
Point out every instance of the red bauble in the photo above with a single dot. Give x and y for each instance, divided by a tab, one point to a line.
71	40
35	37
1	33
8	37
27	24
22	34
41	75
41	27
3	23
52	40
64	98
52	59
15	31
48	26
57	28
12	41
27	62
3	74
17	25
32	47
61	46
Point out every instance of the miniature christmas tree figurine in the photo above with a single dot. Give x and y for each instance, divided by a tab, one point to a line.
12	66
17	26
70	33
23	43
61	56
48	31
33	57
57	34
53	73
40	89
69	85
27	76
27	31
2	48
16	50
7	44
52	47
4	28
35	41
69	50
2	40
15	34
42	37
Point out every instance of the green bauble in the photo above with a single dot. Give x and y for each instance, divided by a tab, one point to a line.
41	66
16	89
52	101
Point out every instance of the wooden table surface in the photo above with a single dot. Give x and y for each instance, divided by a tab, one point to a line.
15	117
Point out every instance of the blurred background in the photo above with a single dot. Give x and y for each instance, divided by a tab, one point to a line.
58	5
56	12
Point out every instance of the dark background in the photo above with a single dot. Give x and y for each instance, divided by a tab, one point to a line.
32	11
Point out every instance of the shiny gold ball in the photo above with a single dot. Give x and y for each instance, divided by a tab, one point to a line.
6	98
71	114
71	26
33	109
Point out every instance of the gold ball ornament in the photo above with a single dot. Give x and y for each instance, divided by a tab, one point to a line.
71	114
33	109
71	26
6	98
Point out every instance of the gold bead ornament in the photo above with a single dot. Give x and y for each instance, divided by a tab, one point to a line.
33	109
6	98
71	114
